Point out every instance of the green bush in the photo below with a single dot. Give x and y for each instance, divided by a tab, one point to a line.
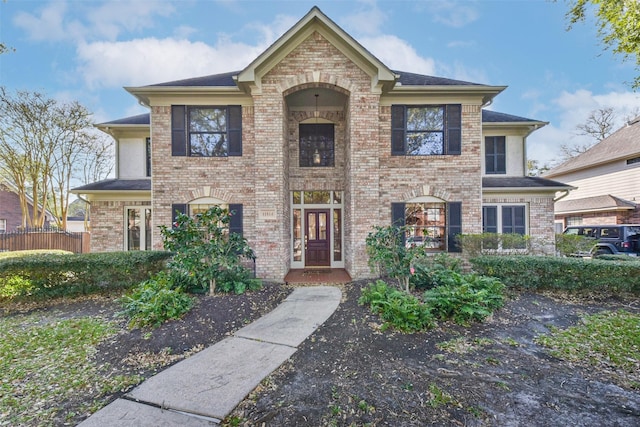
206	255
574	245
465	298
52	275
570	274
430	271
499	244
155	301
398	309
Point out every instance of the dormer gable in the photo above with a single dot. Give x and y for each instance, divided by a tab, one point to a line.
382	78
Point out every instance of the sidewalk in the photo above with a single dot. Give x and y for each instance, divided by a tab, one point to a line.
204	388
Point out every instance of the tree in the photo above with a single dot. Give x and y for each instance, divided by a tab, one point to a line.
534	168
206	254
42	142
618	23
598	126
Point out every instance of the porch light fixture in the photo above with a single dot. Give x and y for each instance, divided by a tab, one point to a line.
316	155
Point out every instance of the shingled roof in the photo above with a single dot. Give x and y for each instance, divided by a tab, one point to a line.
521	182
115	185
622	144
487	117
596	203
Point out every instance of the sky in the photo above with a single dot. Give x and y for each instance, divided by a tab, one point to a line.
88	50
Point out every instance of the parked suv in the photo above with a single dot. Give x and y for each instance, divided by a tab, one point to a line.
611	239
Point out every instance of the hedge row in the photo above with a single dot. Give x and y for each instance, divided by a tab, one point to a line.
571	274
52	275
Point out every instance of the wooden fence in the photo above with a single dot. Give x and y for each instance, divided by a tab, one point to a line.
45	239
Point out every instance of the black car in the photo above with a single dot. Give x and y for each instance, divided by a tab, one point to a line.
611	239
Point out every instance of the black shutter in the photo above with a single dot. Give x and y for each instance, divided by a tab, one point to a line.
398	217
178	130
177	208
398	130
235	222
234	130
453	129
454	225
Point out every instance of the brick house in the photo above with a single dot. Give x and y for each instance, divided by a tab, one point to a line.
312	145
607	181
10	210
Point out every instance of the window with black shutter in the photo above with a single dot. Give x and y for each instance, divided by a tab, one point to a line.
495	154
426	130
206	131
431	225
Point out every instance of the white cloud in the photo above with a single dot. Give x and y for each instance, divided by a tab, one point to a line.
111	18
398	54
452	13
49	24
573	109
367	21
58	22
148	61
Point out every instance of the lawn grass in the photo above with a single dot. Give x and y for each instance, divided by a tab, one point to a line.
43	365
605	340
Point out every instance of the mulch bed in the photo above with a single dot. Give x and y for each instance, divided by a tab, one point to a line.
351	373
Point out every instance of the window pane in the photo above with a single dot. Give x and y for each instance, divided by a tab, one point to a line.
147	229
317	197
426	225
337	235
297	235
207	120
209	144
297	197
425	143
425	118
133	229
337	197
316	145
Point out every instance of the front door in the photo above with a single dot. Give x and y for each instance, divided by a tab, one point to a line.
316	237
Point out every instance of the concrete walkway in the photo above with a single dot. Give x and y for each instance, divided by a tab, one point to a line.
204	388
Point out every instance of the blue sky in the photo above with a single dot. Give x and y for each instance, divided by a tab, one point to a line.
88	50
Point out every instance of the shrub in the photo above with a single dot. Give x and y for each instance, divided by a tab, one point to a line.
430	271
398	309
574	245
570	274
206	255
502	244
389	257
53	275
155	301
465	298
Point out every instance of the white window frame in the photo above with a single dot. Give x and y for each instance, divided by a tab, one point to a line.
143	230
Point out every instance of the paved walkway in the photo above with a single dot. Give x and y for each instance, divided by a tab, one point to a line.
204	388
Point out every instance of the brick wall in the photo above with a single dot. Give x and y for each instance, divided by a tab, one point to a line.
10	208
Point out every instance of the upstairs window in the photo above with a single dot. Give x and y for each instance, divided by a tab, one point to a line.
495	155
316	145
426	130
206	131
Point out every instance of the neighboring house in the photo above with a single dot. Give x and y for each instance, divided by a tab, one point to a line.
312	145
10	211
607	177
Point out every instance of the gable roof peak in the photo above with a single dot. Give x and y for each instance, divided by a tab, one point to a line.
315	21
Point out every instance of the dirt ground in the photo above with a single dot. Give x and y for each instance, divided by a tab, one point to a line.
350	373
